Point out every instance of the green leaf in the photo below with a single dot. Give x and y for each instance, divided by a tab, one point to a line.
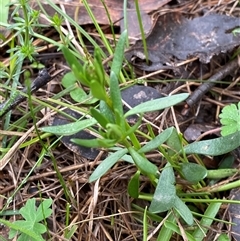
230	119
193	172
221	173
201	232
69	129
98	91
215	147
106	111
176	229
106	143
157	141
165	192
107	164
30	227
224	236
43	211
144	165
133	185
94	143
74	64
4	11
21	228
116	95
119	54
183	211
174	143
102	120
98	66
157	104
167	233
78	95
68	79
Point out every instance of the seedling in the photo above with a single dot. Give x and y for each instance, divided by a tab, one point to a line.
115	131
30	228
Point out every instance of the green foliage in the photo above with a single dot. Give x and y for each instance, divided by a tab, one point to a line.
71	128
193	172
230	119
165	192
114	129
215	147
4	12
133	185
30	228
157	104
92	85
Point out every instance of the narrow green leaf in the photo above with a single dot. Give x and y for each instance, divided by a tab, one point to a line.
201	232
69	129
94	143
102	120
119	54
183	211
157	141
165	192
174	143
221	173
224	237
144	165
176	229
157	104
193	172
74	64
145	225
68	235
116	95
98	91
215	147
107	164
106	143
133	185
106	111
166	233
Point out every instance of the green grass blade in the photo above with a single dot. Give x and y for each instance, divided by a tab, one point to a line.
166	233
212	210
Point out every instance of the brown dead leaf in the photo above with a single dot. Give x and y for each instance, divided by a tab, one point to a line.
114	7
175	38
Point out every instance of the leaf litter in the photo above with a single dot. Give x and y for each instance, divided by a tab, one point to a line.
112	187
175	38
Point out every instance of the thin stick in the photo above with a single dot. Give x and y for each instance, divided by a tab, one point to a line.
42	79
204	88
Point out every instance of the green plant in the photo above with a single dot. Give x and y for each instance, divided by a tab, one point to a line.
122	141
30	228
230	119
115	130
